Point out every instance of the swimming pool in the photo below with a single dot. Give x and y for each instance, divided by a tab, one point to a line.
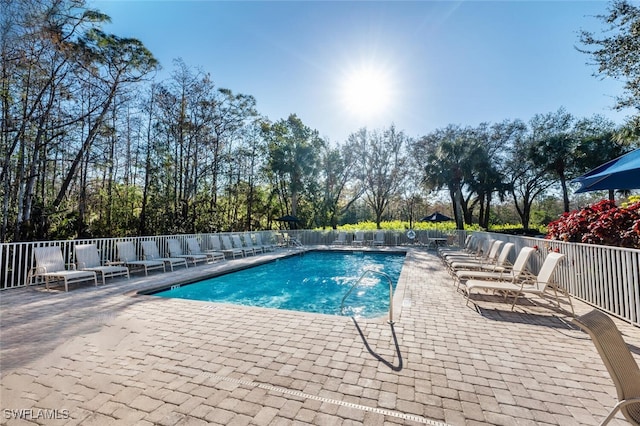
315	281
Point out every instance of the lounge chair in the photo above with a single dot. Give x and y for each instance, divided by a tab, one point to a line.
378	240
214	251
536	285
228	248
50	266
617	357
248	241
507	273
151	252
465	263
496	256
175	250
214	243
265	247
358	240
341	240
127	255
481	251
194	249
290	240
469	243
88	259
237	244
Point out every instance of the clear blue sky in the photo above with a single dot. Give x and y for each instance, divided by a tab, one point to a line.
460	62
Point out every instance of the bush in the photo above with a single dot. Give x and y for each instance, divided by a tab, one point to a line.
533	231
601	223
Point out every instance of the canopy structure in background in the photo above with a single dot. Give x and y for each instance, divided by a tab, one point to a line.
620	173
290	219
436	218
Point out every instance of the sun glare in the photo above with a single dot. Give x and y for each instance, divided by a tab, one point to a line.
367	92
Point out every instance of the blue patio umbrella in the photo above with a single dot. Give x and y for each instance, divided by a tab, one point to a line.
620	173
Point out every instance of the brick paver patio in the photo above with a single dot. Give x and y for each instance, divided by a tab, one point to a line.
99	356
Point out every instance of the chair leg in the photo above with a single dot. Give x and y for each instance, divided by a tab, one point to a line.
611	414
515	299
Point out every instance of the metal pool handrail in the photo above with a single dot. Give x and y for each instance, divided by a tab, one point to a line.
372	271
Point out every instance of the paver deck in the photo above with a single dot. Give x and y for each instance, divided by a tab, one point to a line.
102	356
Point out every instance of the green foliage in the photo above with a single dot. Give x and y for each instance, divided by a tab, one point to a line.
616	52
396	225
633	199
519	230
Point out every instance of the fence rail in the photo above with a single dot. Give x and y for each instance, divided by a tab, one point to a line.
603	276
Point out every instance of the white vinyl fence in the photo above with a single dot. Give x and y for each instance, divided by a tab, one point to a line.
605	277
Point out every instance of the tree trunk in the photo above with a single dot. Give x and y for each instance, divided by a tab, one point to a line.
85	146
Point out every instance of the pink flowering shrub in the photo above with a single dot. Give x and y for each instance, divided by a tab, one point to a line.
602	223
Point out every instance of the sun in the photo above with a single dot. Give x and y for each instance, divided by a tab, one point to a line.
367	92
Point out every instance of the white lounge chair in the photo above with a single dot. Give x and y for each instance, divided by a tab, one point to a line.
481	251
215	247
508	273
617	357
358	240
175	250
127	255
248	242
228	248
88	259
378	240
469	246
151	252
265	247
536	285
342	238
490	261
50	266
195	250
237	244
290	240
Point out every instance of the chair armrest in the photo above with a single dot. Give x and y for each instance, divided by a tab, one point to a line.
39	269
71	266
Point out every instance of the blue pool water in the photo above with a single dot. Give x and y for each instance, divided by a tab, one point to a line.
311	282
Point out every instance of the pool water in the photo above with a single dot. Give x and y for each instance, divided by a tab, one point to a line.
311	282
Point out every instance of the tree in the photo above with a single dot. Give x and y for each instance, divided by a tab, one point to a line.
528	179
63	75
617	52
449	158
489	175
339	170
383	166
553	145
598	141
293	158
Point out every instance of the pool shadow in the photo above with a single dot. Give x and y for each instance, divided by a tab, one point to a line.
378	356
